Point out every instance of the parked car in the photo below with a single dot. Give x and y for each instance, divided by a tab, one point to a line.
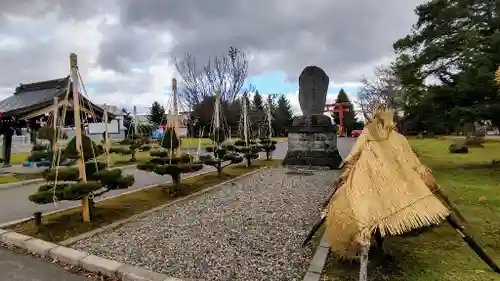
355	133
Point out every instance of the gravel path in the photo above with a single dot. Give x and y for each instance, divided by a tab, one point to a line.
249	230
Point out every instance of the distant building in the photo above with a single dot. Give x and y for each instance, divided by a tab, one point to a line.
116	128
32	105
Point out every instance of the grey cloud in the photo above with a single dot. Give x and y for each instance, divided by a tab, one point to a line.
124	48
340	36
31	62
66	9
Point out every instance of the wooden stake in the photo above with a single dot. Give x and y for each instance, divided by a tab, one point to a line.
106	136
78	127
363	263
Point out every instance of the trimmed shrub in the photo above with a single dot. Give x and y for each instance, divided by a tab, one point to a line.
165	163
66	184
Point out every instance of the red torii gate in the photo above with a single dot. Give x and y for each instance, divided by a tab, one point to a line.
340	107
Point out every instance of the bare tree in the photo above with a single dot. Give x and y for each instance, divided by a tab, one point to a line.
226	72
384	90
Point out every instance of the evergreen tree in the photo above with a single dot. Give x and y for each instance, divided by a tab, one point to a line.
283	116
349	121
157	114
457	43
165	162
257	114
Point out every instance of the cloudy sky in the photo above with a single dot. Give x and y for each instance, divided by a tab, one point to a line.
125	47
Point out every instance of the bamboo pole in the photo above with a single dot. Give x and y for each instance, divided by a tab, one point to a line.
78	127
106	136
176	113
217	109
135	122
55	114
245	120
269	121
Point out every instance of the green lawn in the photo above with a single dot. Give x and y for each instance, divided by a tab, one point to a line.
19	158
473	184
194	142
8	179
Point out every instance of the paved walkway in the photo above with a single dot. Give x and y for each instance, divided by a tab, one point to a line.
15	204
19	267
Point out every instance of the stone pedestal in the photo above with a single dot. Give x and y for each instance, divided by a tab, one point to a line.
312	142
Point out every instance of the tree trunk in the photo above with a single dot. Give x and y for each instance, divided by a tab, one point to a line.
133	159
91	208
219	169
176	179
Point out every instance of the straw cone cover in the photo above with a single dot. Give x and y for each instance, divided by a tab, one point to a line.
384	186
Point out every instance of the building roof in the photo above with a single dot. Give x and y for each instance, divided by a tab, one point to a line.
32	96
114	110
35	96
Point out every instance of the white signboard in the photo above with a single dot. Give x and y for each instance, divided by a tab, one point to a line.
98	128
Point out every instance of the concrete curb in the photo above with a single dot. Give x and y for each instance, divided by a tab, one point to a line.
84	260
318	261
92	263
5	224
96	231
20	183
27	182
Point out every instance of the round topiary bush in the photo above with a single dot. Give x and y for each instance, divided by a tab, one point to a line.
458	148
268	146
221	158
66	184
250	152
68	187
120	150
89	147
165	162
134	143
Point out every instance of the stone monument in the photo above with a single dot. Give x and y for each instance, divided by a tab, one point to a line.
312	138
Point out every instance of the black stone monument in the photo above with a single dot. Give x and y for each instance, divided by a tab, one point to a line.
312	138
